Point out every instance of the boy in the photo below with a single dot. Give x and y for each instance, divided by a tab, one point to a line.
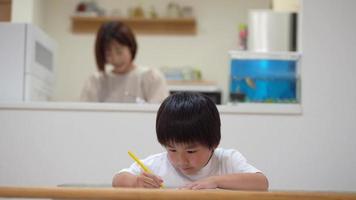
188	126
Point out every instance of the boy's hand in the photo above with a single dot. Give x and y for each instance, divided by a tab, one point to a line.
207	183
146	180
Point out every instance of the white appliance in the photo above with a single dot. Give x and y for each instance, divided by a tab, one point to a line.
270	31
27	57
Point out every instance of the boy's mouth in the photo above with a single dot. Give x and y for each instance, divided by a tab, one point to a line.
186	169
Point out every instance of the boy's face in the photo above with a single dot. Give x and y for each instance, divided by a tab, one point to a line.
188	158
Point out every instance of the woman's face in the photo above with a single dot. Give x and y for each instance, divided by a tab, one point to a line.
119	56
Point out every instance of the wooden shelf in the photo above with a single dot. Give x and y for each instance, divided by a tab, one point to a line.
5	10
181	26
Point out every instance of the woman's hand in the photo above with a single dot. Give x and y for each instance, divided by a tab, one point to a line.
146	180
207	183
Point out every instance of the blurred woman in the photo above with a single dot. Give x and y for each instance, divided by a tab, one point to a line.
125	82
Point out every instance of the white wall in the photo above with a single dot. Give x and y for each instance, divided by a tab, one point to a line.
28	11
217	34
22	11
286	5
312	151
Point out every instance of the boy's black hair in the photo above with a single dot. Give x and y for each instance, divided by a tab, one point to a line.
188	117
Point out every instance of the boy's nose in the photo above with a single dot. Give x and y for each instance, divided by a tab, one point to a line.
182	161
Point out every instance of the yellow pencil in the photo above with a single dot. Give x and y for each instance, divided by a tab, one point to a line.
141	164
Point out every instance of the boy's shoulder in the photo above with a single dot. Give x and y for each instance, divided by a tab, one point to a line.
222	153
232	161
225	151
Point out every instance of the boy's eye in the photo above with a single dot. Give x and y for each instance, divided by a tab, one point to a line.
192	151
172	150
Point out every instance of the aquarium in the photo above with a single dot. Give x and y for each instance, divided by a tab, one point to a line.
264	77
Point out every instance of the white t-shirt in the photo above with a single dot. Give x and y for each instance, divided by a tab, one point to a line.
141	84
222	162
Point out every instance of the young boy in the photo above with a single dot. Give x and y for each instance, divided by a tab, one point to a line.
188	126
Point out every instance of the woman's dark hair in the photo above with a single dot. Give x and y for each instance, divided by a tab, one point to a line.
108	32
188	117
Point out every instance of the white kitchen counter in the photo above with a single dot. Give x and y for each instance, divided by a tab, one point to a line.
240	108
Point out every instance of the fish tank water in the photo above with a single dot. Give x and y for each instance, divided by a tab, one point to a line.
271	77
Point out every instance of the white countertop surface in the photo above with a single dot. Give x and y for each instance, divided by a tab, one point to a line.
239	108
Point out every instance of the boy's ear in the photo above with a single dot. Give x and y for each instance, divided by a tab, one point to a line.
214	147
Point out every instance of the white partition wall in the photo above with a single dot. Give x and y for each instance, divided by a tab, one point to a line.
51	147
52	144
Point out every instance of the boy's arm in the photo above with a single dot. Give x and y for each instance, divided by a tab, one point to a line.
124	179
237	181
243	181
144	180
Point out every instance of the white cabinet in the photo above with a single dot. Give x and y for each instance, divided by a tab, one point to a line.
27	57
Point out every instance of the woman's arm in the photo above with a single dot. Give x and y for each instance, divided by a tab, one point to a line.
237	181
155	86
90	89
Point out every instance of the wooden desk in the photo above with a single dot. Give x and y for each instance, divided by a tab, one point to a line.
158	194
